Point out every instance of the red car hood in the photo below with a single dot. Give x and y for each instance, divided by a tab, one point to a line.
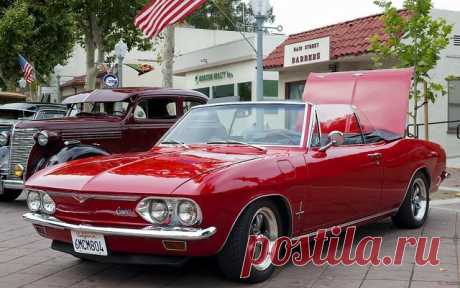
160	171
381	95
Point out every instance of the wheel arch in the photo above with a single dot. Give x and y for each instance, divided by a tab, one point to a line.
425	172
284	208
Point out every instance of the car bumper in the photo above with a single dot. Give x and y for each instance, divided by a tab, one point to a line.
184	234
13	184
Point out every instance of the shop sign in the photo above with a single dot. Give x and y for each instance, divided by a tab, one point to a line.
213	76
308	52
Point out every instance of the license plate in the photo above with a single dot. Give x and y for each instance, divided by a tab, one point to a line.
89	243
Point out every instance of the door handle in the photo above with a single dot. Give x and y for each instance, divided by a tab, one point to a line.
375	156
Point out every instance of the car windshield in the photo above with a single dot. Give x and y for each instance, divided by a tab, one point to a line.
10	114
117	109
267	124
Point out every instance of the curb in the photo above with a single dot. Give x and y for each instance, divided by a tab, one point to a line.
444	202
449	189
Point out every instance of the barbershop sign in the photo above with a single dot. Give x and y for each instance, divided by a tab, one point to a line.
308	52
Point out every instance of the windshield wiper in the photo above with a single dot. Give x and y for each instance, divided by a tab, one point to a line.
175	142
237	143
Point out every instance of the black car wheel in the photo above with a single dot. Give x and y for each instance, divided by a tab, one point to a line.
260	218
414	210
10	195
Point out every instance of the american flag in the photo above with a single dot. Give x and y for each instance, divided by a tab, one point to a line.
158	14
27	69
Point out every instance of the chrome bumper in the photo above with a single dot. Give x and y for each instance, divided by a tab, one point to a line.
13	184
185	234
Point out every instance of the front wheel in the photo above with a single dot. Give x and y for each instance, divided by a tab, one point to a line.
10	195
414	210
260	218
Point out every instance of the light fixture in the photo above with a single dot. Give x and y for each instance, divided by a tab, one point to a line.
58	69
260	8
121	49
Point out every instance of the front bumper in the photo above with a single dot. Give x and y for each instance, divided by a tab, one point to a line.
13	184
174	233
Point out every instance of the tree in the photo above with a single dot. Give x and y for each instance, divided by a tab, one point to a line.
37	30
416	41
101	24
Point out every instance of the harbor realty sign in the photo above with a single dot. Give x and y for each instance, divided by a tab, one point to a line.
308	52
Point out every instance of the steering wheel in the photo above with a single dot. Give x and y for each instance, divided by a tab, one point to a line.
273	136
120	113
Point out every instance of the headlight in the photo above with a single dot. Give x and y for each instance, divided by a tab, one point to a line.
34	201
48	205
4	138
159	211
188	213
169	211
43	138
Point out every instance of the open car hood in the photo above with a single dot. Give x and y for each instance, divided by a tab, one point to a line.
381	95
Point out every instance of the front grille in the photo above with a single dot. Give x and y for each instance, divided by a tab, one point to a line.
21	144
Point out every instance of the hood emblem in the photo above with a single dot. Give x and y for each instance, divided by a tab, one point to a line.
125	212
81	198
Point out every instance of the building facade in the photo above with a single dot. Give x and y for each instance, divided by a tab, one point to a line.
345	47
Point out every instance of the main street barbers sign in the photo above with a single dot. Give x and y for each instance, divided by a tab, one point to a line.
308	52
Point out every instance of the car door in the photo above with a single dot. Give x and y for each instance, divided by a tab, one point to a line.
344	182
151	118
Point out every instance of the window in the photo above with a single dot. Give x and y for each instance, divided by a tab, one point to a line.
50	114
189	104
294	90
316	134
270	88
339	118
245	91
223	91
155	108
206	91
454	103
456	40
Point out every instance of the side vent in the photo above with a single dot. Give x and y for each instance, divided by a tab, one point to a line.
456	40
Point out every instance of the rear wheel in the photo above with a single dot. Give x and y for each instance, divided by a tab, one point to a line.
414	210
10	195
260	218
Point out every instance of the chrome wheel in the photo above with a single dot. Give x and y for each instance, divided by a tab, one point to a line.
264	223
419	199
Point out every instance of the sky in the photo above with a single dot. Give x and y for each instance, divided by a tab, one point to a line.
302	15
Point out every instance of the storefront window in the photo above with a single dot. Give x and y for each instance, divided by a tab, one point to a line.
245	91
454	103
206	91
270	88
294	90
223	91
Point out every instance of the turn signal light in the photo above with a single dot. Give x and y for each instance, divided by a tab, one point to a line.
18	170
180	246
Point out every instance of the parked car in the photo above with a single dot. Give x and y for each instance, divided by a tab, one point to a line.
98	123
227	171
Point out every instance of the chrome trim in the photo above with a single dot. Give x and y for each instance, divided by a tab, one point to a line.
164	233
13	184
313	121
82	197
254	200
351	223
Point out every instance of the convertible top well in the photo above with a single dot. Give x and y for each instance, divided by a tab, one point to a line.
381	95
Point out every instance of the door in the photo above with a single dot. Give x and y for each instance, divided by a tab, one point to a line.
151	118
345	182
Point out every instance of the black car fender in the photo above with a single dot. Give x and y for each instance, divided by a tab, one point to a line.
70	153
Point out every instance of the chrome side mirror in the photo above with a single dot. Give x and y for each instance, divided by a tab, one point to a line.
336	138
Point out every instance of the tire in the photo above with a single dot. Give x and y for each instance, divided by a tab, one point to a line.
414	211
10	195
231	258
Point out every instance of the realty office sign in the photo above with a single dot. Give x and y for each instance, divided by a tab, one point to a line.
307	52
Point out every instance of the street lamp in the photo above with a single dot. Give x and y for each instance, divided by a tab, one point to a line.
121	49
58	74
260	8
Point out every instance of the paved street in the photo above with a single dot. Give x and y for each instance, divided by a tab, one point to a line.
27	261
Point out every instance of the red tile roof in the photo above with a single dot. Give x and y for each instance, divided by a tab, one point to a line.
349	38
79	81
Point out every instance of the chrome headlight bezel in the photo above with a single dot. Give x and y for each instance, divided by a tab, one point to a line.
5	138
195	215
43	138
144	207
44	200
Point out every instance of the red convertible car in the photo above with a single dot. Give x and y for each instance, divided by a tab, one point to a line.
226	171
